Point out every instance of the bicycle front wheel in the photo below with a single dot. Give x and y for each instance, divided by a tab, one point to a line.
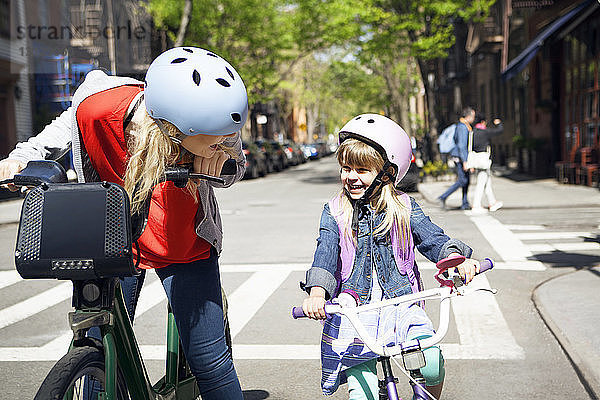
79	375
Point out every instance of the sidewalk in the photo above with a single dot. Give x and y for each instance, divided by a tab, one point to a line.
573	316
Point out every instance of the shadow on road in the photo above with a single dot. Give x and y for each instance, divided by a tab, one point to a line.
519	177
560	259
255	394
323	179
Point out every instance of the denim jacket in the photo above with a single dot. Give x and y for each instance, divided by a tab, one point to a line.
428	238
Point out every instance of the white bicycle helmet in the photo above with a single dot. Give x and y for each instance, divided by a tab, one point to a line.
197	91
385	136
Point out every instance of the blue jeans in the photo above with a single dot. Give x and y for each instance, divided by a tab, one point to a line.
462	181
194	293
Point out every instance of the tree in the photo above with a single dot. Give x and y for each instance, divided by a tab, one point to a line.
429	28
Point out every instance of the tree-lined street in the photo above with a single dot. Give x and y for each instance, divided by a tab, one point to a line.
497	346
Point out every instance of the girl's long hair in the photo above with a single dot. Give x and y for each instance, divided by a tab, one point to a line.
354	153
151	151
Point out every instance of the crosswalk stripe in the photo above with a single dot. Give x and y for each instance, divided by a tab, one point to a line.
565	247
35	304
8	278
250	296
525	227
506	243
482	326
551	235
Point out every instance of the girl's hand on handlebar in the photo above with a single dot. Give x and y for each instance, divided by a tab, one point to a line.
210	165
8	169
468	269
314	305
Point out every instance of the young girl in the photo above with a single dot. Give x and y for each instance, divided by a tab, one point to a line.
365	247
189	108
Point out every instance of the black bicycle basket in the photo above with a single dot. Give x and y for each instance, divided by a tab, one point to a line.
76	232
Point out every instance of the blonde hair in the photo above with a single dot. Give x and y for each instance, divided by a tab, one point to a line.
355	153
151	151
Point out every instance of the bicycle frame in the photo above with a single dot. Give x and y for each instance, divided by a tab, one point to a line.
122	351
442	293
411	350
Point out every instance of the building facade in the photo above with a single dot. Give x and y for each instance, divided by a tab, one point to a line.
533	64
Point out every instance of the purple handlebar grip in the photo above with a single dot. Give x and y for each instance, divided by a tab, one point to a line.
298	313
485	265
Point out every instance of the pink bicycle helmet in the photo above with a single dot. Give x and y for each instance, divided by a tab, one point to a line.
385	136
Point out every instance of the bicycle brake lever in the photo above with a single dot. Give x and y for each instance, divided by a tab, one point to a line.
207	177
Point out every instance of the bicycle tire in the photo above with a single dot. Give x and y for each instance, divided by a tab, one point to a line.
71	370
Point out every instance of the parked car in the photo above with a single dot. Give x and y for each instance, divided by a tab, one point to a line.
280	160
256	161
266	148
311	151
294	153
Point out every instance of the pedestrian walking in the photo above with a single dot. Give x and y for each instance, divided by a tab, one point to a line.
459	155
190	108
366	252
482	143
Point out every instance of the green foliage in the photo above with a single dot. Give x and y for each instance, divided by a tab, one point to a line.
339	57
435	168
528	143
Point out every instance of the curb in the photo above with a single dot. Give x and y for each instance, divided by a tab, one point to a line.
586	374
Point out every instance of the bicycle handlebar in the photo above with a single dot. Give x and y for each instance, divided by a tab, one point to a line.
443	293
48	171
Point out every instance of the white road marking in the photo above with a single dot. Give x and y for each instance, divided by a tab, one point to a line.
564	247
246	301
525	265
35	304
250	296
506	243
483	331
551	235
8	278
290	267
526	227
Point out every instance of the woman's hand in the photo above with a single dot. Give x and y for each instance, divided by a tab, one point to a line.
468	269
314	305
8	169
212	165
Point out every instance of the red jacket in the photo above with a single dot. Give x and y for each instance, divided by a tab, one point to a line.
170	236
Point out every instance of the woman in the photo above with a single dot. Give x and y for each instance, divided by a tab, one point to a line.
189	108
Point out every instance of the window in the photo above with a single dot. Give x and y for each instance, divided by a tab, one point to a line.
590	135
5	18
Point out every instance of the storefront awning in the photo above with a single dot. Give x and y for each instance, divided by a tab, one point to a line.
521	61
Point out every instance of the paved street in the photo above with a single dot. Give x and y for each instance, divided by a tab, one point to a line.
497	346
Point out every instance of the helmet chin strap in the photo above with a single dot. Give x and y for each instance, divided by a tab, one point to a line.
377	183
175	139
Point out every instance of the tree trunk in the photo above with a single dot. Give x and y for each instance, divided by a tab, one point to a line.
431	148
185	20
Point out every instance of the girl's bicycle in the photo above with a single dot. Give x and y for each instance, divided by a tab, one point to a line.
411	350
84	233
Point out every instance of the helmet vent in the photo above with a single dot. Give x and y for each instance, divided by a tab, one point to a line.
357	117
196	77
223	82
178	60
188	50
212	55
236	117
371	121
230	73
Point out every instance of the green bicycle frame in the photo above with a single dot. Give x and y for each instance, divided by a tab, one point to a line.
121	350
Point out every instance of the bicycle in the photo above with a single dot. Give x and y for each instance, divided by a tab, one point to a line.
411	350
113	366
